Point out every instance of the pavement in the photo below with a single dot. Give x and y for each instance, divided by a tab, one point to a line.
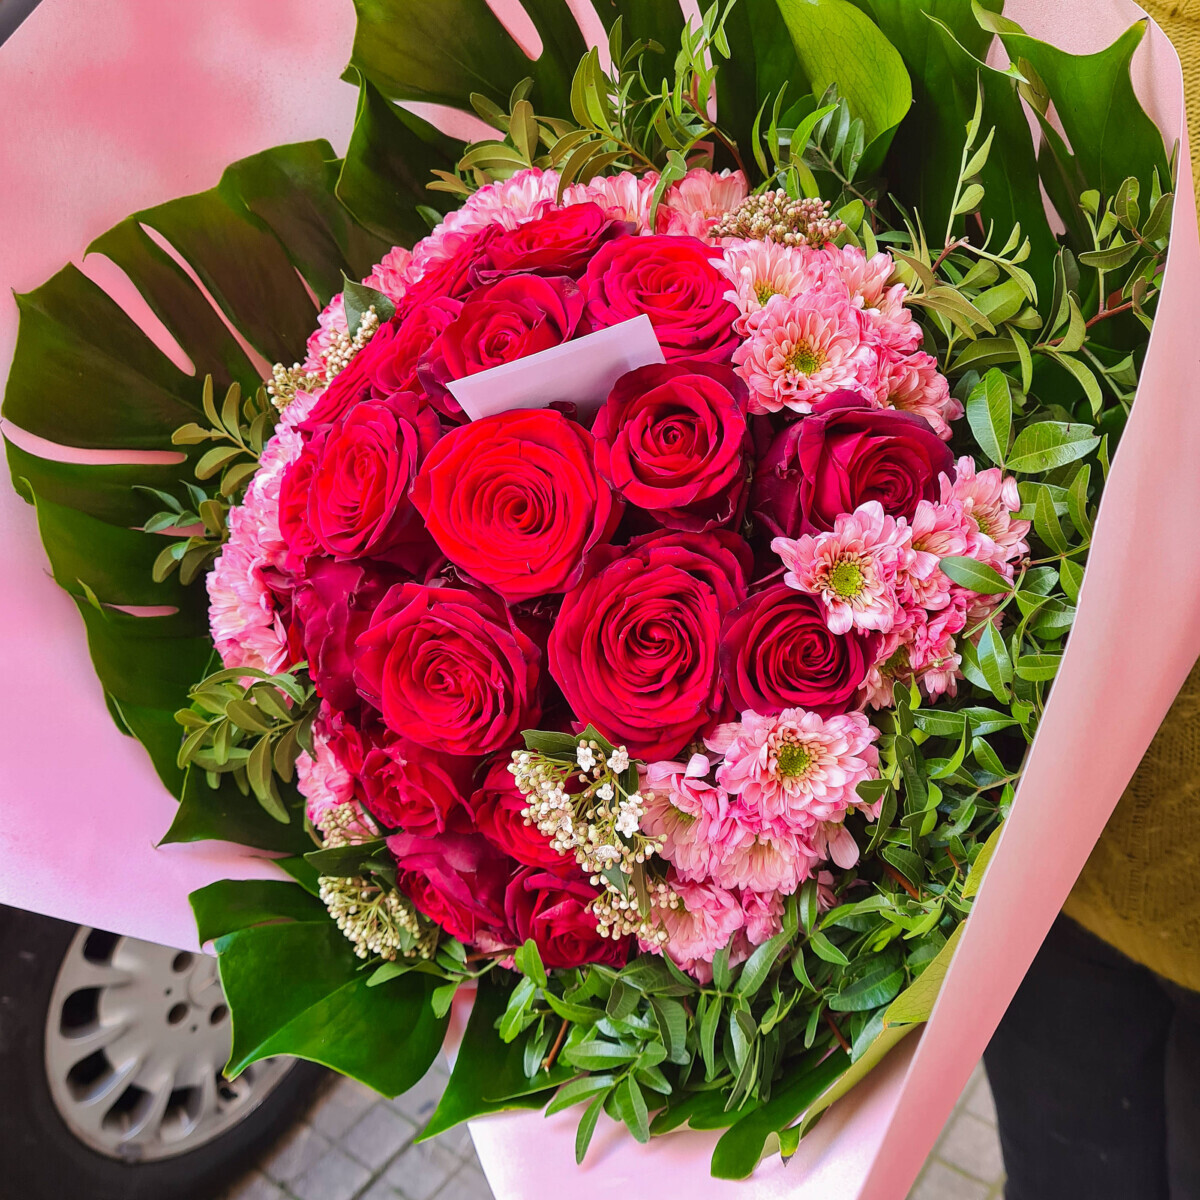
352	1145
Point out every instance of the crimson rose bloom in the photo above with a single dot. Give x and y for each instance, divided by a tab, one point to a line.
453	276
672	281
562	242
634	648
458	881
448	669
333	604
294	490
412	794
496	807
846	453
673	440
364	465
553	911
777	652
514	501
501	322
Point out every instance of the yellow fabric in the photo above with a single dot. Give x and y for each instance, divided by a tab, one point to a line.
1138	891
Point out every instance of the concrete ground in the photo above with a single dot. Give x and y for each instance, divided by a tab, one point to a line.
354	1146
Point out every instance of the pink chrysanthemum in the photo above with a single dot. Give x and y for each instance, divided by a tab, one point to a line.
760	270
390	273
937	530
707	917
797	769
803	347
912	382
623	197
866	283
320	777
990	501
763	912
700	199
852	568
924	650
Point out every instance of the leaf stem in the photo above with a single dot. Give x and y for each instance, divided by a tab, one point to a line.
548	1061
837	1033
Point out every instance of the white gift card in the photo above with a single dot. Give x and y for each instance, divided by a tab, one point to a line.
582	372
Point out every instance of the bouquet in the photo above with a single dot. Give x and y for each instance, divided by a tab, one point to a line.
677	717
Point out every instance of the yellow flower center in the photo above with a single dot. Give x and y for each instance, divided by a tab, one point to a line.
764	290
793	759
846	579
805	359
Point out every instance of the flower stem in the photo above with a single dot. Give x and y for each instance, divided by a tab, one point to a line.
837	1033
548	1061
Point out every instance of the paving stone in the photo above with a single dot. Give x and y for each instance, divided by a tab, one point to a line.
381	1189
334	1176
979	1102
940	1182
341	1106
468	1184
973	1146
294	1153
418	1103
255	1186
377	1135
418	1172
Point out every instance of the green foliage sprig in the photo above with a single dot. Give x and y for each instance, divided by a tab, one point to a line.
253	730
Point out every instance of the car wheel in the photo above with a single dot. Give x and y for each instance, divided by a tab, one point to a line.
111	1051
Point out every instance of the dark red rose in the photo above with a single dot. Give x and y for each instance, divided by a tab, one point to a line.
332	605
501	322
514	500
634	648
672	440
411	793
448	669
364	466
452	276
553	911
562	242
777	652
458	880
671	280
496	807
846	453
396	370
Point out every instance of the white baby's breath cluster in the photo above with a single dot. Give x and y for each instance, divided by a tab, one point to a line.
582	808
285	382
376	919
775	216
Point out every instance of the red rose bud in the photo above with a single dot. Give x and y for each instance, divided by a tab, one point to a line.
846	453
497	806
634	648
514	500
410	794
554	912
562	242
672	280
499	323
777	652
448	669
672	440
458	881
364	465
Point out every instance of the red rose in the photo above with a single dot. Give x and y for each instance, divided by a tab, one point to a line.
671	280
562	242
501	322
634	647
673	440
846	453
411	794
777	652
554	912
332	605
514	501
454	275
294	490
458	881
448	669
364	465
497	806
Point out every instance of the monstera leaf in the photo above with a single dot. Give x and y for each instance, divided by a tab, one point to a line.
84	374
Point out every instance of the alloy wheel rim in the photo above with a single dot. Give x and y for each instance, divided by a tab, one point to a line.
136	1037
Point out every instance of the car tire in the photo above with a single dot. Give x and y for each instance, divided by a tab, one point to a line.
41	1158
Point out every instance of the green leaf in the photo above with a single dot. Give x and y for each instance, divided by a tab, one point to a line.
824	949
1050	444
631	1104
879	985
359	298
759	964
976	576
596	1055
296	989
837	44
587	1127
489	1074
232	904
529	962
579	1089
989	413
1038	666
1046	523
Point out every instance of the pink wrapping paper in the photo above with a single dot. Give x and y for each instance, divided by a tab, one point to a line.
83	807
